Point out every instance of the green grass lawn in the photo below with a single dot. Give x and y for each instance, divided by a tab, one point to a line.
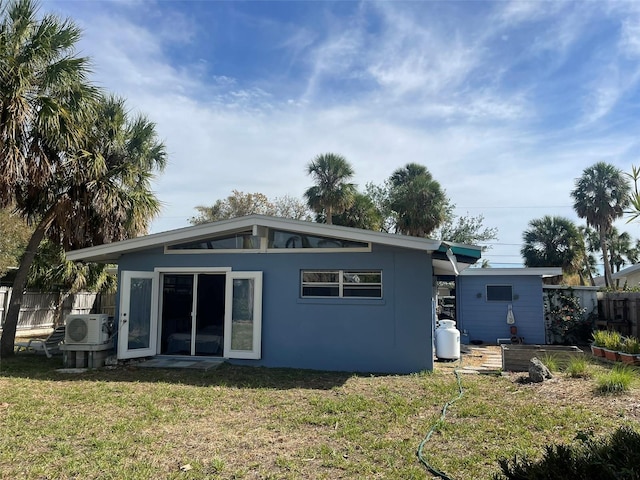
242	422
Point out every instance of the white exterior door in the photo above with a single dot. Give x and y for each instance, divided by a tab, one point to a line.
137	325
243	315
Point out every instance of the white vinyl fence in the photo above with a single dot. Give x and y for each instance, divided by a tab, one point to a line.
45	310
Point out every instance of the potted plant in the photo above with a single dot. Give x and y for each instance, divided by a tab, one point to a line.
597	346
612	345
630	350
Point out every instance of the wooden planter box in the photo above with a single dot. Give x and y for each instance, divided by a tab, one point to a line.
516	358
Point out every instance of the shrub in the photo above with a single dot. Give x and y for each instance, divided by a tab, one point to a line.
631	345
613	340
616	380
564	319
599	337
616	456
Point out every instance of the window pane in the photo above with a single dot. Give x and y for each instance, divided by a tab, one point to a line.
321	291
499	293
240	241
361	277
284	239
242	315
140	313
320	277
363	291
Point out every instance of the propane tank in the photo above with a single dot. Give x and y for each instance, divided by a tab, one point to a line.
447	340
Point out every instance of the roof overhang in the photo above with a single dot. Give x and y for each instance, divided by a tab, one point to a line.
543	272
463	255
626	272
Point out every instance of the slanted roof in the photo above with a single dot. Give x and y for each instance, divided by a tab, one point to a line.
626	271
110	252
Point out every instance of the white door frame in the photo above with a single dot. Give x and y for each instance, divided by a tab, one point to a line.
124	315
256	342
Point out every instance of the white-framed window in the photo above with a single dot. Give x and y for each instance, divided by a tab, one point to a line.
341	283
499	293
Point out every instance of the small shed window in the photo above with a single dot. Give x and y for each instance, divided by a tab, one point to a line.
499	293
342	283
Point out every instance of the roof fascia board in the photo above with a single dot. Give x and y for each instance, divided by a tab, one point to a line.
494	272
113	250
626	271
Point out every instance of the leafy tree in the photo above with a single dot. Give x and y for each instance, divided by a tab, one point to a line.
291	207
379	195
362	214
466	229
332	192
553	242
601	196
417	200
13	240
239	204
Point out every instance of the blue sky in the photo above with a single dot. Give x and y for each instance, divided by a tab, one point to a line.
504	102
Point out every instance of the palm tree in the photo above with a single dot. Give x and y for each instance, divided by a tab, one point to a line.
44	98
591	244
601	196
417	200
553	242
332	192
51	271
42	87
100	193
620	249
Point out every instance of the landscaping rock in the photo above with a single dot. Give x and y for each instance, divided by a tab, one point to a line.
538	372
111	361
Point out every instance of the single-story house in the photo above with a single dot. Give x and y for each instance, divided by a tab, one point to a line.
629	276
277	292
496	304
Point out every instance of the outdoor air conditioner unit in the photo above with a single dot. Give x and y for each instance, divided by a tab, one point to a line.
92	329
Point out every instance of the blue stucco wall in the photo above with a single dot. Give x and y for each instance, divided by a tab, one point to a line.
487	321
393	334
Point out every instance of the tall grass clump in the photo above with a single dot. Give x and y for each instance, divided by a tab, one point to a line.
551	362
578	367
615	381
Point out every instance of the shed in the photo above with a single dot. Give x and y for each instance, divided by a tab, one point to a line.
276	292
495	304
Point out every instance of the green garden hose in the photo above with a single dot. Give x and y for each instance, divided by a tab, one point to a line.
430	467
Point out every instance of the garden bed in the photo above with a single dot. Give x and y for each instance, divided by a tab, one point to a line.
515	358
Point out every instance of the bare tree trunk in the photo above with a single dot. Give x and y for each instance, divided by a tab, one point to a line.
587	267
605	257
7	341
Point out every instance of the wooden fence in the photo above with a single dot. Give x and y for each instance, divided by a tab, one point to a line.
619	311
45	310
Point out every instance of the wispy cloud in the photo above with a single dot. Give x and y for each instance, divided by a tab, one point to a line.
505	102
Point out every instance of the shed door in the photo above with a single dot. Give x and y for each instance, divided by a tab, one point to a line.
137	334
243	315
